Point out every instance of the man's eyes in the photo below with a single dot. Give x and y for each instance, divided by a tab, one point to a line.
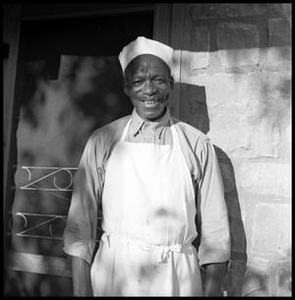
156	80
160	80
137	82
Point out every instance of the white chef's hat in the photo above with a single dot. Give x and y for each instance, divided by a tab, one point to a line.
143	45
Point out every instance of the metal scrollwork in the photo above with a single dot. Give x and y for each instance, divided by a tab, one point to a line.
53	171
71	180
30	225
56	181
52	225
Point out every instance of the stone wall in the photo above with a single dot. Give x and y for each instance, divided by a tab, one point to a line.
236	86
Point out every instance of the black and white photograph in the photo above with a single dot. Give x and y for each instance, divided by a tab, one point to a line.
147	149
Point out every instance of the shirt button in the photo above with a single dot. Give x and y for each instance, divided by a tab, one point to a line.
146	125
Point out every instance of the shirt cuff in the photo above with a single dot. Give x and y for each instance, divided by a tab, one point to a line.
82	250
213	253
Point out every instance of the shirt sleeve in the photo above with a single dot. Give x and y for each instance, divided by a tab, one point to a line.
80	232
215	236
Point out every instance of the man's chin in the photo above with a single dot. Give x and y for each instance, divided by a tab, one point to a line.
152	115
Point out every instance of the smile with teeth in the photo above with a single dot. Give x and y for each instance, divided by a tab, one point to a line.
151	103
151	100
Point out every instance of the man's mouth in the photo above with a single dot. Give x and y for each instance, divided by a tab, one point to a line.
151	103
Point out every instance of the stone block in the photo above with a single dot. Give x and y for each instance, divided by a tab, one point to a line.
233	132
238	44
287	11
205	11
199	39
192	61
264	139
279	10
195	37
272	98
228	131
271	228
283	279
279	33
223	89
285	144
270	111
246	111
278	55
266	178
279	43
257	278
288	134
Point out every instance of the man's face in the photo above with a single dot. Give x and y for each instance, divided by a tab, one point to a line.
148	84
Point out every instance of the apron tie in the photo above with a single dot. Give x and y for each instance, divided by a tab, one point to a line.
164	251
165	254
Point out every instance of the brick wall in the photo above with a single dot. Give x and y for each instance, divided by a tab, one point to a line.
236	87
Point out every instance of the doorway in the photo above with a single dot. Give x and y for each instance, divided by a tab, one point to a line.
69	84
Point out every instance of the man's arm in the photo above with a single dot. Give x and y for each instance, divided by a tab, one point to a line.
81	277
214	246
212	278
80	232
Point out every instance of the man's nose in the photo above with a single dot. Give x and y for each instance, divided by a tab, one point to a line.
149	88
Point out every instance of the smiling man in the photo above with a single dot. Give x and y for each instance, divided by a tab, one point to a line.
148	84
153	176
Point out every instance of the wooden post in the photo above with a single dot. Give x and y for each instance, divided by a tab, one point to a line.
177	23
11	34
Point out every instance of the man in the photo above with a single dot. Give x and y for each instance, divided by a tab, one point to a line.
152	175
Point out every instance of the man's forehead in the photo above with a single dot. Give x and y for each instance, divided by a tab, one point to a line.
146	62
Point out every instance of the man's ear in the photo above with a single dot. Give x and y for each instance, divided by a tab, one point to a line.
125	87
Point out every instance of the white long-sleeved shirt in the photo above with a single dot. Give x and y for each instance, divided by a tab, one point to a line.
81	229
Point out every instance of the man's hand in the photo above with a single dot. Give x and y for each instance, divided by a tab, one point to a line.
81	277
212	279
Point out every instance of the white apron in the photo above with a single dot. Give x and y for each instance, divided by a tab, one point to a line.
148	207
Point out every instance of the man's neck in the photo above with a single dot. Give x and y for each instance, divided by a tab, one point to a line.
158	118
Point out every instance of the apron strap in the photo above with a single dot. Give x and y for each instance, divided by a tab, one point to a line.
175	137
124	134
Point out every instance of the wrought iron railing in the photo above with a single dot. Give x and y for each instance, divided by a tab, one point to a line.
32	185
28	222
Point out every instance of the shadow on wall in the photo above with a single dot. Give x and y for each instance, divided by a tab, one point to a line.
240	280
194	112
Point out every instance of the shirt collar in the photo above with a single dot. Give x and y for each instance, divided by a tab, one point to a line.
138	122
